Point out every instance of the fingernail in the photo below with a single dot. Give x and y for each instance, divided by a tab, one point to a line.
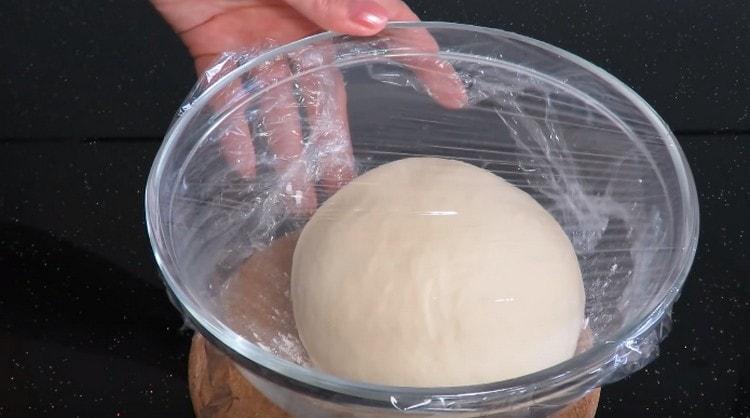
368	14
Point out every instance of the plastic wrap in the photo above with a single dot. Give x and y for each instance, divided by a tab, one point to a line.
267	135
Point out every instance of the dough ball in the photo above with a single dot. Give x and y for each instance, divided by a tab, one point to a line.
433	272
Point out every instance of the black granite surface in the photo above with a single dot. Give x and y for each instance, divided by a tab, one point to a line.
113	69
88	89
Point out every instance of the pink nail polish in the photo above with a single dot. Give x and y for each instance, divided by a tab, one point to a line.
368	14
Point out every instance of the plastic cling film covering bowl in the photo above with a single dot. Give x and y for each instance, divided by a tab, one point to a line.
267	136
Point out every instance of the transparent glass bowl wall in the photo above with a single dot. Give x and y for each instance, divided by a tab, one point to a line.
584	145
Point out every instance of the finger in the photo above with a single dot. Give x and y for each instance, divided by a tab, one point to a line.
438	76
234	134
323	98
280	126
352	17
237	146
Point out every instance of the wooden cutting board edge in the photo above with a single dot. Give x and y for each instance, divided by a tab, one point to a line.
218	390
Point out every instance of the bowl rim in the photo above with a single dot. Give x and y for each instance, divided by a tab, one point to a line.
586	370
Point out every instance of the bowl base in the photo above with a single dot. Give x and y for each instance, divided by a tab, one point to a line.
218	390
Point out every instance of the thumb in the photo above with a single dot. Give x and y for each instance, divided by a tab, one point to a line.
352	17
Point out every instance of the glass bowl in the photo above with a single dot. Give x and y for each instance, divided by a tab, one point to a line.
583	144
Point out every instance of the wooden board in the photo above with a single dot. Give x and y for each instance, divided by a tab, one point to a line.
218	390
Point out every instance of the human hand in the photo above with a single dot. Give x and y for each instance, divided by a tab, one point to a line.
211	27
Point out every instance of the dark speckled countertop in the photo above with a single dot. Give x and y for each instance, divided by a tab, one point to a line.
86	328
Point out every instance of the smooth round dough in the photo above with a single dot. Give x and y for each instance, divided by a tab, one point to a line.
432	272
